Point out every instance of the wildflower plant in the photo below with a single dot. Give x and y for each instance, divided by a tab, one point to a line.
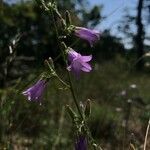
75	63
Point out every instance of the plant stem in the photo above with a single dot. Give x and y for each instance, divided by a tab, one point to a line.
62	81
74	95
70	81
55	74
50	12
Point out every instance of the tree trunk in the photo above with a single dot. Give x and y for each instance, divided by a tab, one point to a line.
140	35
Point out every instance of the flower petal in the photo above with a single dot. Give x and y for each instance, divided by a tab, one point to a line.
87	34
81	143
86	67
86	58
35	92
72	54
78	63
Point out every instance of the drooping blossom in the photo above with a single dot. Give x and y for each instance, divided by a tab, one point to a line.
81	143
78	62
89	35
35	92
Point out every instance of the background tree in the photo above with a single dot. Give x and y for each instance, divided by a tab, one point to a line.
38	39
133	27
140	35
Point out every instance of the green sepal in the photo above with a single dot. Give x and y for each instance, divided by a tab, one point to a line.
68	18
71	113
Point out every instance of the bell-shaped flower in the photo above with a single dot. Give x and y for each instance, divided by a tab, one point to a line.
35	92
89	35
81	143
78	62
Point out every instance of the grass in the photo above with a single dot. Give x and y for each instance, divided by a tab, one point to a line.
28	125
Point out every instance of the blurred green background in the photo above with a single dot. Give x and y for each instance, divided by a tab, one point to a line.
118	85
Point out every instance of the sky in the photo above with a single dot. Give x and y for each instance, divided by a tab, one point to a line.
114	10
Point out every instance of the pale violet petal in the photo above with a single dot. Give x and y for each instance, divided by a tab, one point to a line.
86	67
86	58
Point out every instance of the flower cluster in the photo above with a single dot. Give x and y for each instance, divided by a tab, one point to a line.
78	62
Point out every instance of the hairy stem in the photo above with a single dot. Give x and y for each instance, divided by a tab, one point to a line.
70	81
74	95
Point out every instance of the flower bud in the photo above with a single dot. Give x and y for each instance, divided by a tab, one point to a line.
68	18
51	62
48	63
63	46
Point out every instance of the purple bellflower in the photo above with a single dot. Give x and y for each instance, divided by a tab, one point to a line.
78	62
87	34
35	92
81	143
